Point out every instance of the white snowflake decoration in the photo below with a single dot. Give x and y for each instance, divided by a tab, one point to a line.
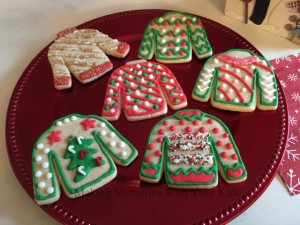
282	59
283	84
293	186
292	121
292	77
296	96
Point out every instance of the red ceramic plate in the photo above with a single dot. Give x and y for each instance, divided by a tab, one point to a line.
35	103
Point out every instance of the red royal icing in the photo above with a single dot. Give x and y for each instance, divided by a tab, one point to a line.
182	122
165	123
65	32
61	80
220	143
85	75
82	153
263	66
172	128
216	130
235	88
188	23
192	177
151	146
202	129
148	159
98	160
161	131
54	137
123	47
150	171
158	152
210	121
188	129
182	53
153	24
234	156
235	174
226	135
177	24
196	122
88	124
160	139
229	146
224	155
242	62
189	113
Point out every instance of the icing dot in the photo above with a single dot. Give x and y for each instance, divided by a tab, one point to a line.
163	50
112	135
226	135
158	152
103	132
229	146
66	120
159	139
246	77
230	90
216	130
38	173
226	66
172	128
148	159
236	100
224	85
137	92
219	143
182	122
252	67
163	40
159	99
50	190
163	31
112	143
46	150
120	78
236	81
176	49
146	103
177	30
196	122
59	123
221	96
234	156
73	118
38	158
128	98
237	70
165	123
132	84
45	165
161	131
109	99
160	19
183	19
224	155
172	19
135	107
123	153
122	144
244	90
202	129
194	19
188	129
210	121
102	124
216	61
121	72
40	146
49	176
151	146
112	110
41	184
177	40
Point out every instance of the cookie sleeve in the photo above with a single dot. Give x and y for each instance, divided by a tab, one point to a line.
267	94
147	47
204	82
152	164
230	164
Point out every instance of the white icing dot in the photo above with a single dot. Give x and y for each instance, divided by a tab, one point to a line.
230	90
159	67
236	100
123	153
128	98
120	78
176	49
132	84
149	69
48	176
112	134
117	84
59	123
142	80
159	99
138	65
194	19
246	77
103	132
112	143
151	76
163	50
73	118
150	90
140	73
183	19
216	61
122	144
236	81
46	150
112	110
226	66
66	120
45	165
160	19
177	40
109	99
252	67
172	19
135	107
137	92
50	190
221	96
226	75
41	184
244	90
146	103
149	64
110	91
130	76
102	124
163	40
237	70
224	85
40	146
38	173
163	31
177	30
38	158
172	80
121	72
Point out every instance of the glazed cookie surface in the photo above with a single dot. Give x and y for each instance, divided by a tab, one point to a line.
77	152
143	89
190	147
237	80
173	37
82	52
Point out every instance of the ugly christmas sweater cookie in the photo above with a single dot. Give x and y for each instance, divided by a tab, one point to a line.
144	89
172	38
82	52
77	152
190	147
237	80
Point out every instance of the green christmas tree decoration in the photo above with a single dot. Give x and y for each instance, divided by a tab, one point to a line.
81	156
